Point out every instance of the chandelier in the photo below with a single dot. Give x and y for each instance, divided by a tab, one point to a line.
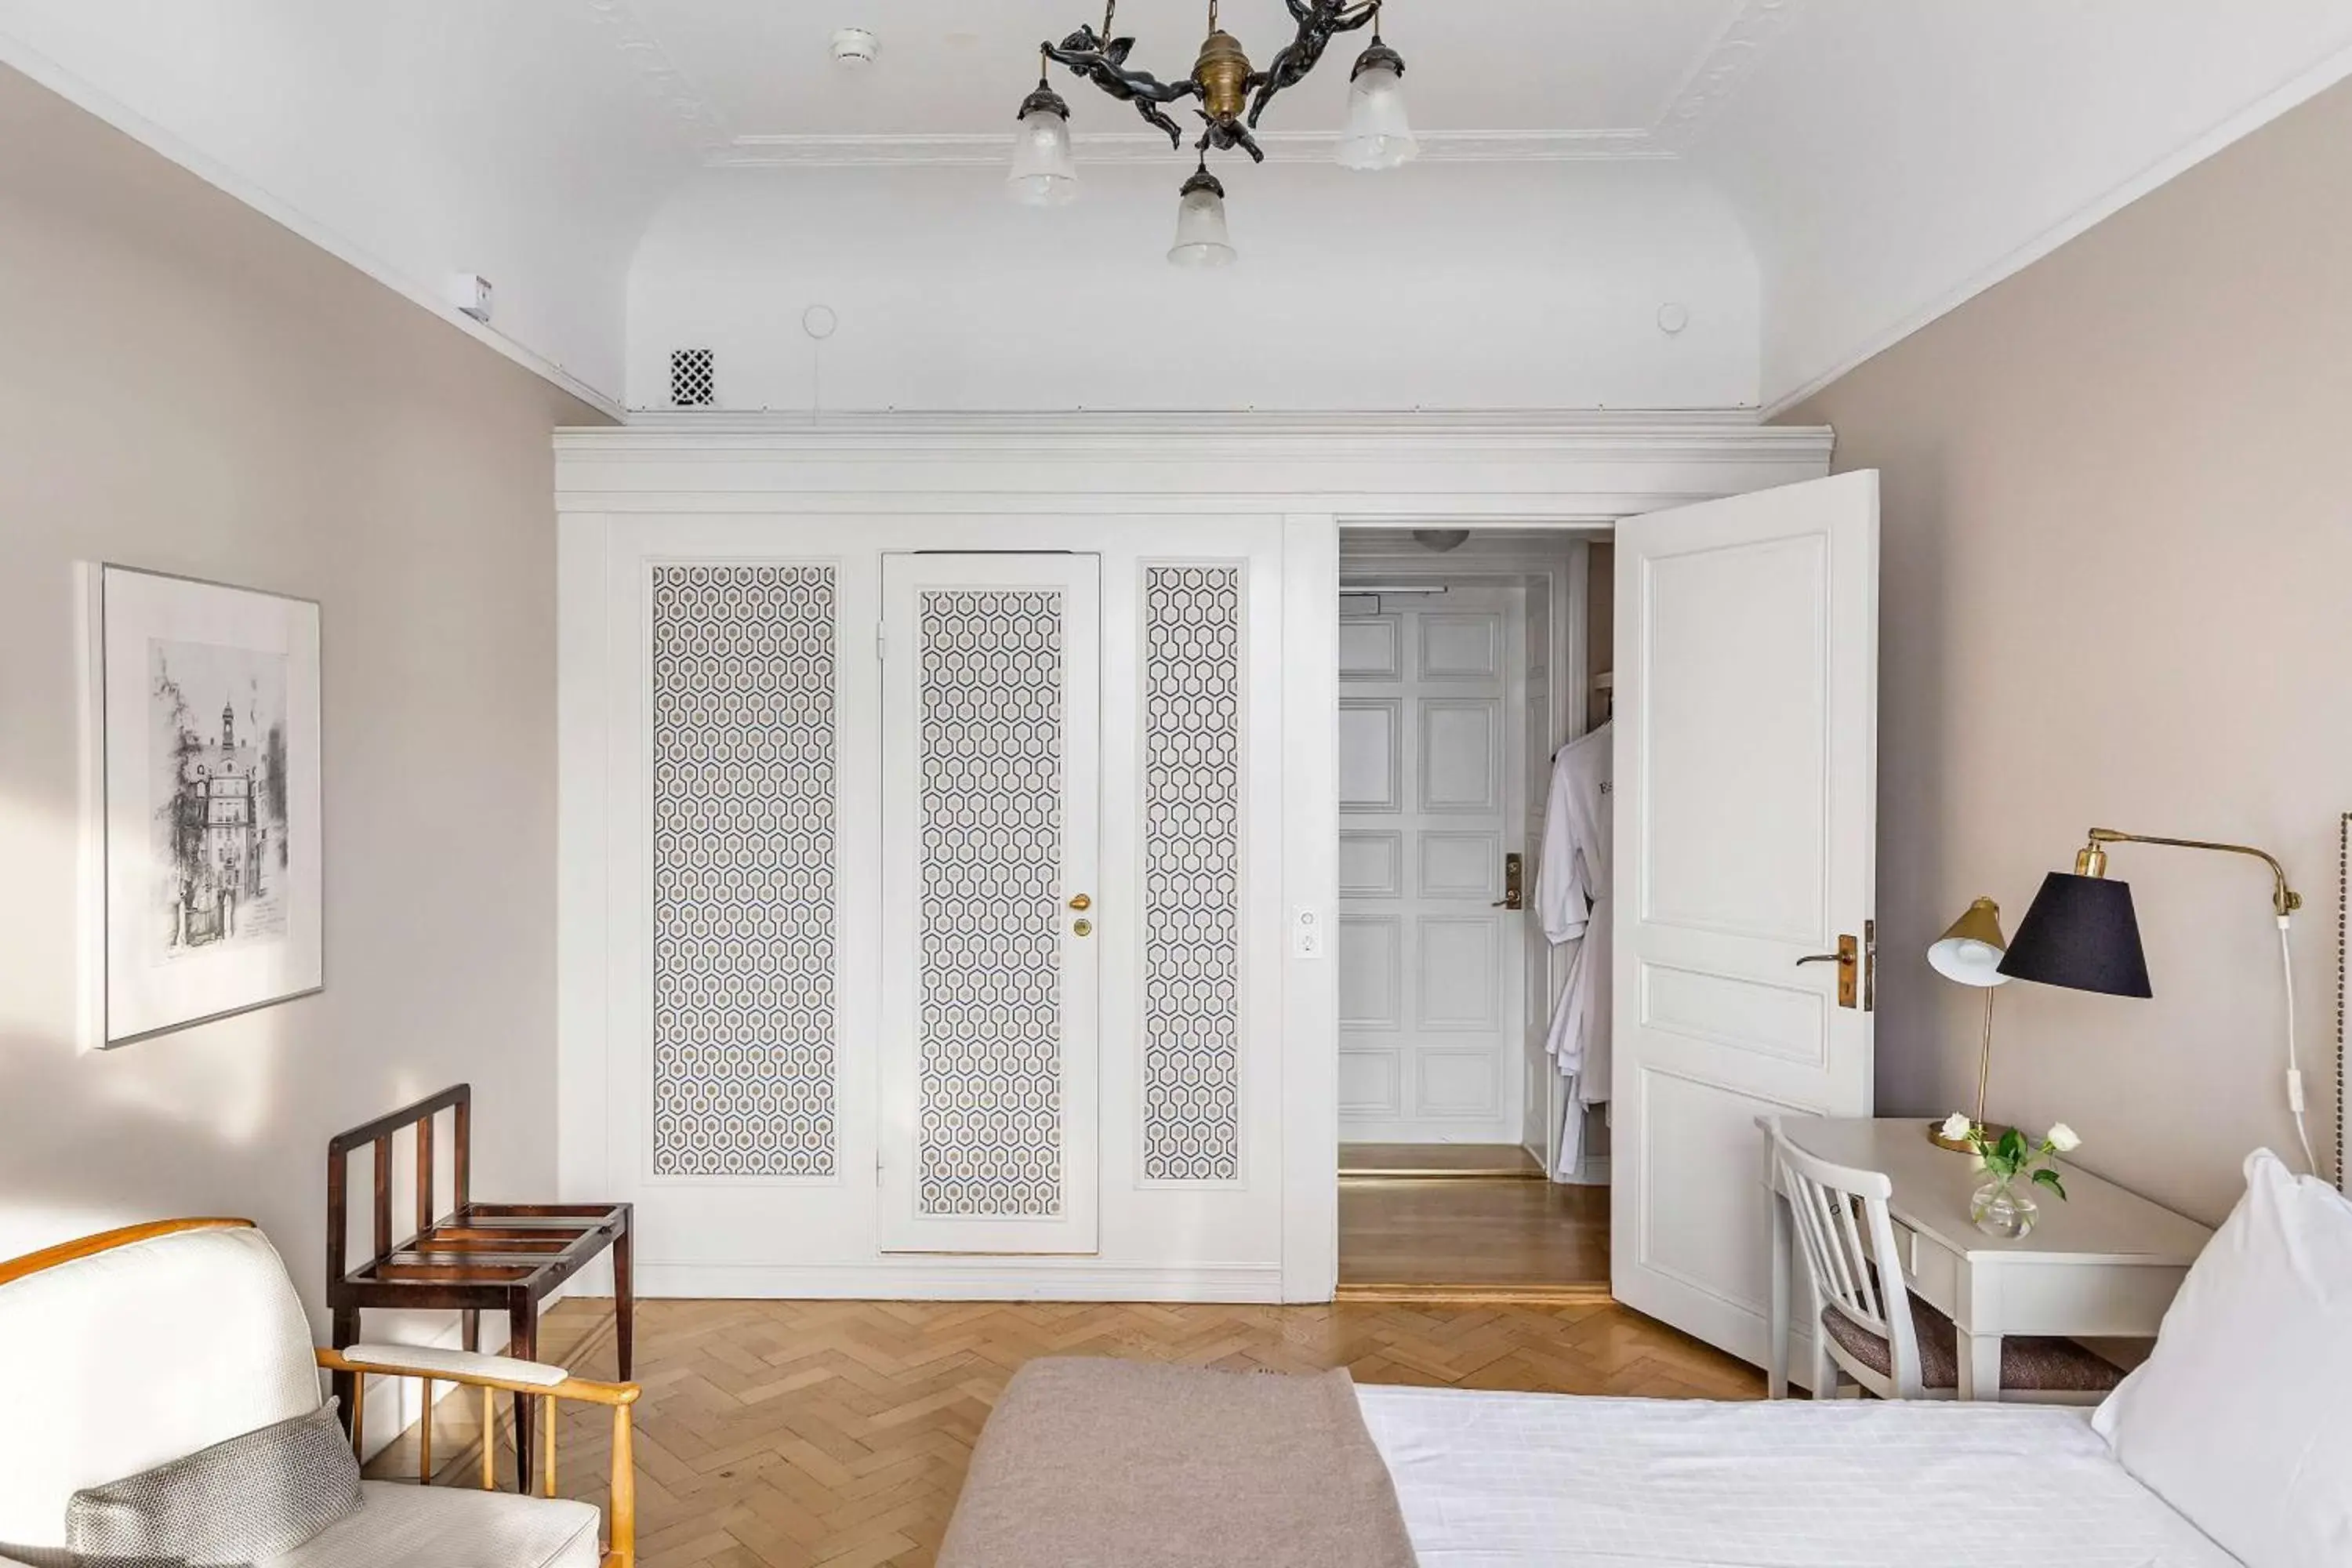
1230	95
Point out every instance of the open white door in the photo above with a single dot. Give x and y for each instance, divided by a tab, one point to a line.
1747	691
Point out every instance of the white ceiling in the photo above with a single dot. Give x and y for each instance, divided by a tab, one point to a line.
1885	158
949	66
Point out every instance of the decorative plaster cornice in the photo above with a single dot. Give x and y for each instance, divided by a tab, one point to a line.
1729	58
973	148
668	86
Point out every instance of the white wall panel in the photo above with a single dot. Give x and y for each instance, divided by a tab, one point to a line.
1490	286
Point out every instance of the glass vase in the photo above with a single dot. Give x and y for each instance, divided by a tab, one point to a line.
2003	1207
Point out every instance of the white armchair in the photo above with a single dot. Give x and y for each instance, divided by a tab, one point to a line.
131	1349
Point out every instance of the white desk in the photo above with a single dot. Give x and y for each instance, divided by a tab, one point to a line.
2102	1264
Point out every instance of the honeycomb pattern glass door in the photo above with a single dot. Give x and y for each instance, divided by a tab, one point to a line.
990	669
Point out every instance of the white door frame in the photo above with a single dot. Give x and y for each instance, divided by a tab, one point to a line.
1317	471
1556	565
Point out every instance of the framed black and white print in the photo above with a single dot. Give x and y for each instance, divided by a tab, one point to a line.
202	816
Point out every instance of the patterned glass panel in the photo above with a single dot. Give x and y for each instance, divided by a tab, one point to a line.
742	872
1191	873
989	1140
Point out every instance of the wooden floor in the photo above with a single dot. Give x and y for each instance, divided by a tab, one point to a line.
1438	1160
785	1434
1500	1233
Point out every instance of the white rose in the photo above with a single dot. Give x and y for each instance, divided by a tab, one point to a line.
2064	1138
1957	1126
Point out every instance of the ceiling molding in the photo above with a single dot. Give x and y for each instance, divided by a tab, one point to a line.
1729	59
668	86
1527	468
959	149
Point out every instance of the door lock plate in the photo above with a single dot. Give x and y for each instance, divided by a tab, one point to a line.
1514	883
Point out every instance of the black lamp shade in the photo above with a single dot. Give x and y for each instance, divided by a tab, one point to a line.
2081	933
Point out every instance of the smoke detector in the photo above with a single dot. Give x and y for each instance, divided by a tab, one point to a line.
855	47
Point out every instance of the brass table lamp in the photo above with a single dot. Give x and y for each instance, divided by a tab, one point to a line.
1969	953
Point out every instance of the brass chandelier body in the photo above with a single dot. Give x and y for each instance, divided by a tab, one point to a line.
1231	94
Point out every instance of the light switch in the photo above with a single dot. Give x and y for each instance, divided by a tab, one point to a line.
1306	932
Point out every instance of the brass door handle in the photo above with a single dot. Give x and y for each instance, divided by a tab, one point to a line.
1082	902
1848	958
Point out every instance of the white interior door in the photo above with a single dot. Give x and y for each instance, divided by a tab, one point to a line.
991	765
1431	800
1747	673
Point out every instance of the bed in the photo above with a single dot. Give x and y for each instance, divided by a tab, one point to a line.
2231	1448
1507	1480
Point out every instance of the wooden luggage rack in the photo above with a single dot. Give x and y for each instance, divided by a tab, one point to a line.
498	1258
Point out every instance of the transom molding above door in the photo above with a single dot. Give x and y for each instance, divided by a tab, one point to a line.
1363	469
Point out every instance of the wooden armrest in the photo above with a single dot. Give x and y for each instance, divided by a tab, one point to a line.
475	1371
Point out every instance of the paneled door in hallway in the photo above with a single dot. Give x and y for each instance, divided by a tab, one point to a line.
990	795
1431	804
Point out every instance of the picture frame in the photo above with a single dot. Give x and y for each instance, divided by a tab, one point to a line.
202	842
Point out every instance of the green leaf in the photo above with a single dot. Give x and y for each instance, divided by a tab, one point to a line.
2012	1147
2048	1178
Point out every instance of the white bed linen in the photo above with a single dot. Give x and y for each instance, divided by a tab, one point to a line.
1504	1480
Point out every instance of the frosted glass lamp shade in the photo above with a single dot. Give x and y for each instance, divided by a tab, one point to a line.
1044	174
1200	236
1378	135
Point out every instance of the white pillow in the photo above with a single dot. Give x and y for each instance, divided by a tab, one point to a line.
2242	1418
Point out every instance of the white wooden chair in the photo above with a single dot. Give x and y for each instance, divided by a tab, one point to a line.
1870	1330
129	1350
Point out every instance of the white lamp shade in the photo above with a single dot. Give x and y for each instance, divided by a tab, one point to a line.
1968	963
1378	135
1044	174
1200	236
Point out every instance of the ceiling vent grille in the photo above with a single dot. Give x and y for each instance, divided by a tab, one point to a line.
693	378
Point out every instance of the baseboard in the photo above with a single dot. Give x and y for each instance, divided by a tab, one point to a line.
990	1280
1590	1295
1593	1171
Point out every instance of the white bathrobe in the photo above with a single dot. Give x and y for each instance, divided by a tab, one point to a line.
1572	900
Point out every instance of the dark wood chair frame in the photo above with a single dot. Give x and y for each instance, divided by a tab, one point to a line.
482	1256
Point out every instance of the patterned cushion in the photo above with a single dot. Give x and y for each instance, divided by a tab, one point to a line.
239	1502
2028	1362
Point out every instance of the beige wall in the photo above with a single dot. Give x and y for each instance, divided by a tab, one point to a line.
2118	590
187	387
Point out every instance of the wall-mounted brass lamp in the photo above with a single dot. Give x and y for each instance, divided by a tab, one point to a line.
2083	933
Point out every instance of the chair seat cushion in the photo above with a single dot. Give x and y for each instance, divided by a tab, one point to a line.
2030	1364
400	1524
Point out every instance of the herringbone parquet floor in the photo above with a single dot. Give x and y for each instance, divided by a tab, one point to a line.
784	1434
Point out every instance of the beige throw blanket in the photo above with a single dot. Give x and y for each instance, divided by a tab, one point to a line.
1117	1464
